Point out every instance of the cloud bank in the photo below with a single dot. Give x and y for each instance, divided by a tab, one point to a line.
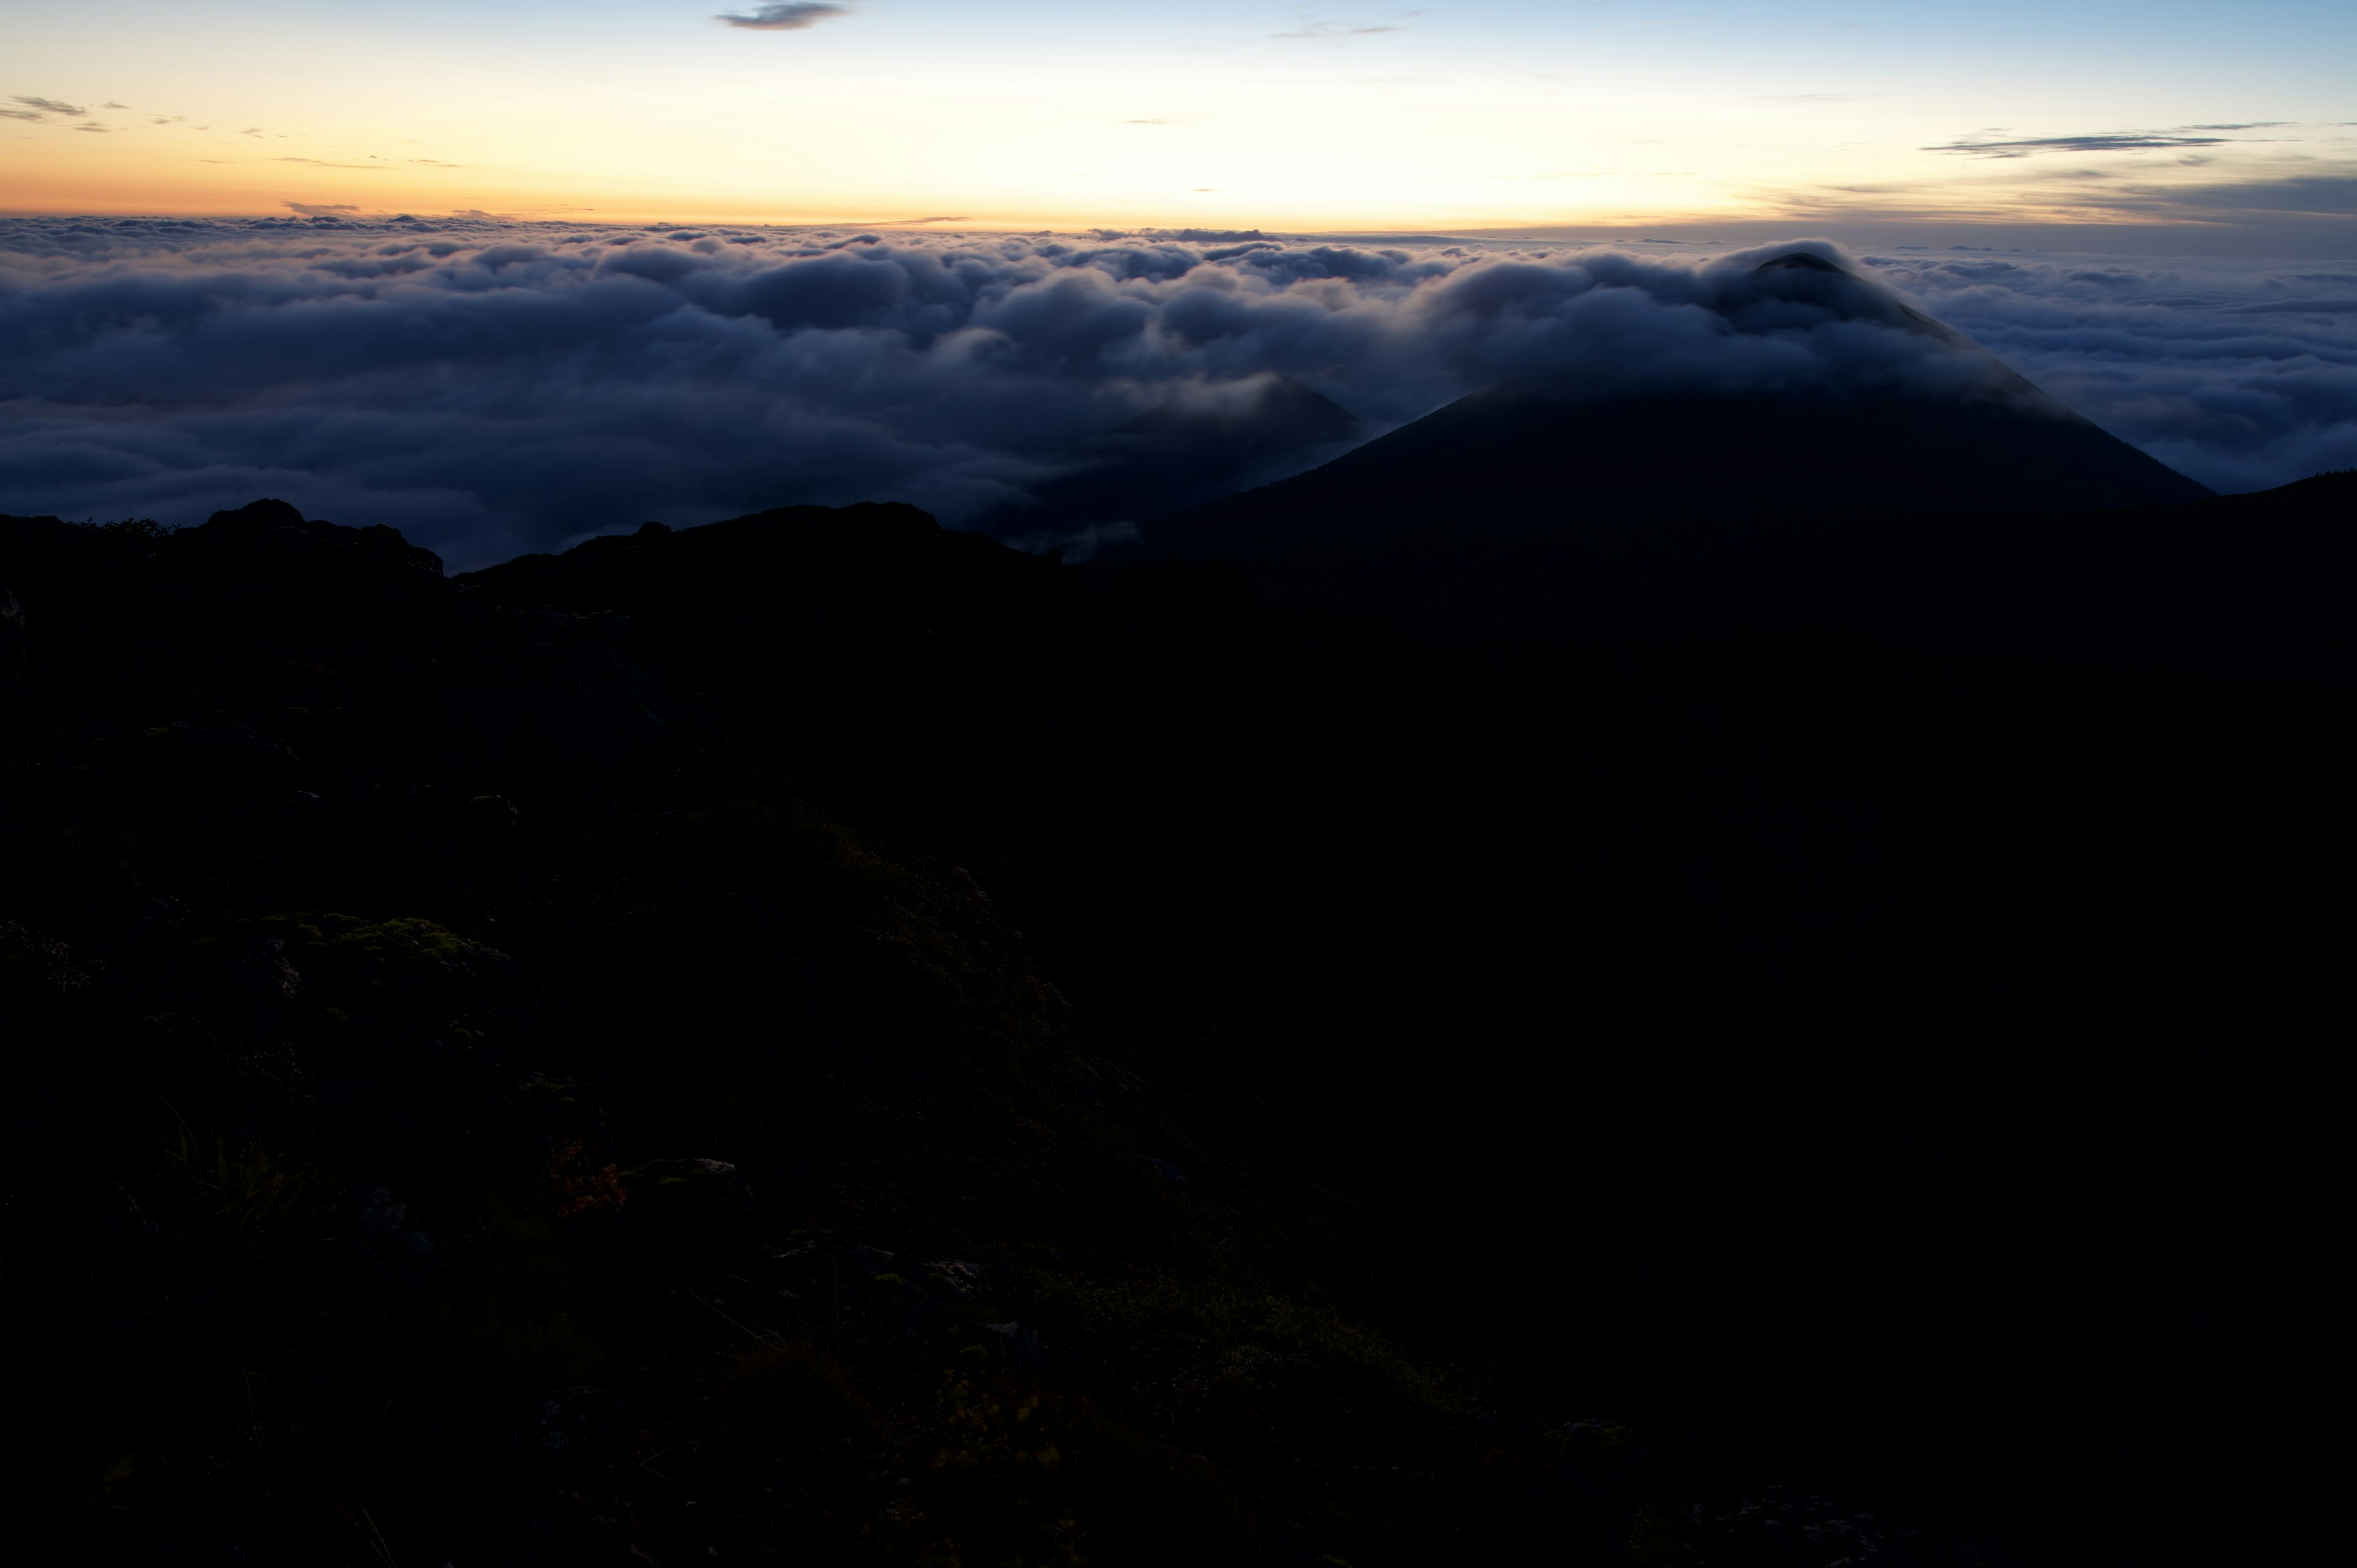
2242	374
492	387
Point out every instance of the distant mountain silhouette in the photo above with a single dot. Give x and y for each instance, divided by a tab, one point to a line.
1197	445
1530	507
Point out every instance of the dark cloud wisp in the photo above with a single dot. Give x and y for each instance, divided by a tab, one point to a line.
791	16
2106	142
1340	30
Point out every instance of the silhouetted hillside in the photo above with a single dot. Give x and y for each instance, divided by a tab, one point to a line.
473	1097
821	1036
2249	584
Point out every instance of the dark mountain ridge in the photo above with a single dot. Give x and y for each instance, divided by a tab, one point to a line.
648	1049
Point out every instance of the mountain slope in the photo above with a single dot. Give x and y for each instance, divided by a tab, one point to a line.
2252	584
472	1042
1538	506
1203	443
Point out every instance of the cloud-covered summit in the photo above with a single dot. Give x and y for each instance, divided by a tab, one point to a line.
494	387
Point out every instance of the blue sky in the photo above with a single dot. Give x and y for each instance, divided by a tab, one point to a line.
1601	115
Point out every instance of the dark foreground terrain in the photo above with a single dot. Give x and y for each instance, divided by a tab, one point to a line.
817	1038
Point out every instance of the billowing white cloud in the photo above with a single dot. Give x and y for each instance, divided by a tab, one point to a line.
492	387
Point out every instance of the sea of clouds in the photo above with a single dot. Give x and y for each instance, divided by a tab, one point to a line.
492	388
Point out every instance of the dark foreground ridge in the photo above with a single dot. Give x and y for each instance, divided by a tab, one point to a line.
819	1038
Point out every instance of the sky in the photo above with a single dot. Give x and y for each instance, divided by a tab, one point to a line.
509	273
2174	127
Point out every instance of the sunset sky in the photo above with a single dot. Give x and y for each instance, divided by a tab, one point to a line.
1495	113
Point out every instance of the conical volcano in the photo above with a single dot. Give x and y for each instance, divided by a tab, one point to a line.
1549	504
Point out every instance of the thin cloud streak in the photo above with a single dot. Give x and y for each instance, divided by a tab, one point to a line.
2108	142
2273	210
790	17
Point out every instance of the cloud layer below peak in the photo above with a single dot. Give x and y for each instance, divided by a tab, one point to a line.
492	388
